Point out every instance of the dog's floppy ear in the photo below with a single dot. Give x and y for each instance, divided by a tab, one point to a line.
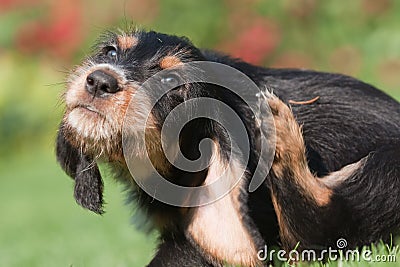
83	169
67	155
89	185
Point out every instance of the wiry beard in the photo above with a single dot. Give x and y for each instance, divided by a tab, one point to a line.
93	135
96	125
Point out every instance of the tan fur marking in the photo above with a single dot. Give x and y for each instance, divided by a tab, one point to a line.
336	178
290	153
155	152
287	239
218	227
169	62
126	42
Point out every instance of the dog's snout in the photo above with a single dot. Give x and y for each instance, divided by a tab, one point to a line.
99	83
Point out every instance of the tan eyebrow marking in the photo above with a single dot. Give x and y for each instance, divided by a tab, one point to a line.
126	42
169	62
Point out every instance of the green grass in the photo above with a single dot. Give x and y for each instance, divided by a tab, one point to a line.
40	224
382	255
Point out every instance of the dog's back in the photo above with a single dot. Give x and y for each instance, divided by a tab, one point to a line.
348	119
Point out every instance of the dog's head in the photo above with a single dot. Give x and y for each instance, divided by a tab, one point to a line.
101	89
97	98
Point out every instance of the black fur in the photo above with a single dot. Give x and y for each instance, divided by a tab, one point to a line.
176	250
83	169
350	121
363	208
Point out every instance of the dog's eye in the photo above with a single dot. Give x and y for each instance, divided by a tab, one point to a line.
111	52
171	80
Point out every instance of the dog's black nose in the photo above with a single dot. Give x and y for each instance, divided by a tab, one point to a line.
99	82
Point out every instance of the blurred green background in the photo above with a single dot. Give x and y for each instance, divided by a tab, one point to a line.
41	40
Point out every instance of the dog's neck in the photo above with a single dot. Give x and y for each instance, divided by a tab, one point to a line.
149	158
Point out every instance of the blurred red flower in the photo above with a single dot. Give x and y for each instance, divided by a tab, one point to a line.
58	34
254	43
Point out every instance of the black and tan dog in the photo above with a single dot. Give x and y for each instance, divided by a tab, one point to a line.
336	170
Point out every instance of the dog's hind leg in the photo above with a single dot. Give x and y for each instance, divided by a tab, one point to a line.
360	202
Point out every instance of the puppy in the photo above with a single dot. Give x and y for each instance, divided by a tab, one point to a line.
335	172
